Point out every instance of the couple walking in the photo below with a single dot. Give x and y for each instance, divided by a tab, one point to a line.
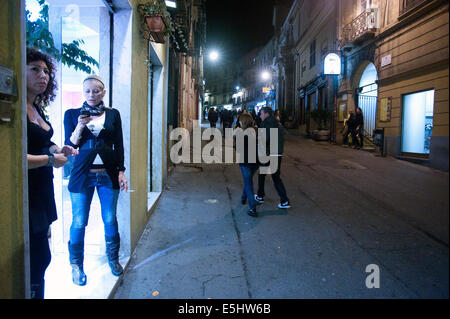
248	168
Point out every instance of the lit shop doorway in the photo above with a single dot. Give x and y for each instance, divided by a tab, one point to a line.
367	98
88	21
155	126
417	123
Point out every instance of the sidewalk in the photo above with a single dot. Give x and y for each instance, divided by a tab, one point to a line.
350	209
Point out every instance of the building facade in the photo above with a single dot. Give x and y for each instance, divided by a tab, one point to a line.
395	62
188	50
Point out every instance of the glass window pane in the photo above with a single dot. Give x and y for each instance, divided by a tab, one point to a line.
417	122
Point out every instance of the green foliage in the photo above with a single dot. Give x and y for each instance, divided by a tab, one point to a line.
152	7
39	36
321	116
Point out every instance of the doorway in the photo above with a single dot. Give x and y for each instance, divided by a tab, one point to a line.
88	21
367	98
156	118
417	122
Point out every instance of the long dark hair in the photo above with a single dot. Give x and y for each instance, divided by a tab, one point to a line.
49	95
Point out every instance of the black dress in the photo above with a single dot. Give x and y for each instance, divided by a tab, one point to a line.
41	198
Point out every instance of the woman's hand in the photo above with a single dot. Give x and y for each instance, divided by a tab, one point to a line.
68	150
60	160
123	183
83	120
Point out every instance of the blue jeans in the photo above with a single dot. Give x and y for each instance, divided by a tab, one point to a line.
247	193
81	203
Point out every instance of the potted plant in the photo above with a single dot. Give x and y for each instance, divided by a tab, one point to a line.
157	19
321	117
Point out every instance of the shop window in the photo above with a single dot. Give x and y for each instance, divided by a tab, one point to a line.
89	23
417	122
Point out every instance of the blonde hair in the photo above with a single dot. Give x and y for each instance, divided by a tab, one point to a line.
247	121
94	77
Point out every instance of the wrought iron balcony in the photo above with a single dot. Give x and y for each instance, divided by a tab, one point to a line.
361	28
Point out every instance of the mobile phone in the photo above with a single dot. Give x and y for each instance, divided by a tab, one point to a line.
85	113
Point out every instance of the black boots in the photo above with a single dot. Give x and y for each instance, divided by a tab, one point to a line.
76	257
112	252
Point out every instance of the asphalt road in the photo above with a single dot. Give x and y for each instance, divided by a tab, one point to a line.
350	209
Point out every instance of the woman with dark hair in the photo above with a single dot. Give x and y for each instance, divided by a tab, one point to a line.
247	166
96	130
42	156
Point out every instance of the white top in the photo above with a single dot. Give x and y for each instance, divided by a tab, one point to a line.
95	126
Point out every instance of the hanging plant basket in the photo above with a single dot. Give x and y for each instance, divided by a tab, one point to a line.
155	23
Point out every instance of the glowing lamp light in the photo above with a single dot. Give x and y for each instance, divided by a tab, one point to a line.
265	75
171	4
214	56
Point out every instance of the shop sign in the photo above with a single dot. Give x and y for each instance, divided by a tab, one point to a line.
386	60
385	109
332	64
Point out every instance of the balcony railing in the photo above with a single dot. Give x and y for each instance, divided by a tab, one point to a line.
362	27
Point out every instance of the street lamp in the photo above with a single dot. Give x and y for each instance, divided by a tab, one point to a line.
214	55
265	75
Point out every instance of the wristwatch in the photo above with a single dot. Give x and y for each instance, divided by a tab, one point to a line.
51	160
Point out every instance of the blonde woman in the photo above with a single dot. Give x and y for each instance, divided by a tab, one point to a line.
248	168
97	132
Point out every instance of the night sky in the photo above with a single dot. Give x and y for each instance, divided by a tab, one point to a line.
234	27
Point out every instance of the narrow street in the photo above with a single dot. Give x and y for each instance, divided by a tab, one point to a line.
350	209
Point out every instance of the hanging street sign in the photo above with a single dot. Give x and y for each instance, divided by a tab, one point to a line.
332	64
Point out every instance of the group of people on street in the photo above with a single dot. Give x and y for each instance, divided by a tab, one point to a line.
266	119
228	118
93	137
354	126
248	168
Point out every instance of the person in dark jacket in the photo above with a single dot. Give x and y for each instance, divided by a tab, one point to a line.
247	165
269	121
42	155
97	131
349	127
258	119
212	117
359	128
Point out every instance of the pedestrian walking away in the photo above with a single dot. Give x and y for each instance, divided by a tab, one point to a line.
248	168
212	117
97	131
269	121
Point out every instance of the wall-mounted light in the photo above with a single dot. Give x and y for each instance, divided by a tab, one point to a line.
171	4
